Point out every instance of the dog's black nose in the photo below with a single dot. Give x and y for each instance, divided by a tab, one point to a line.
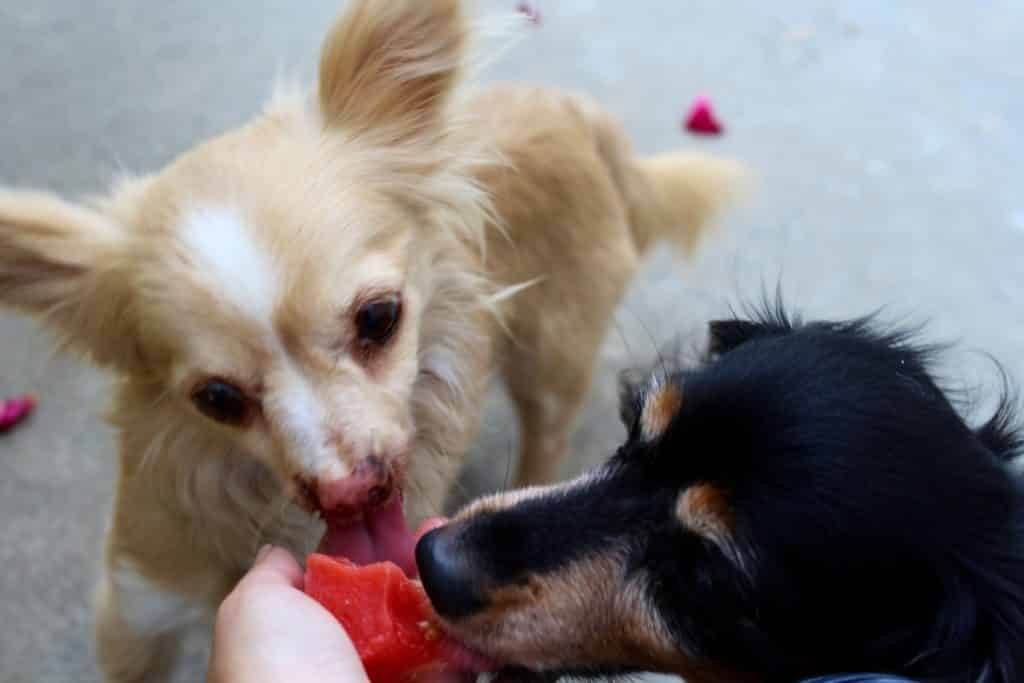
448	575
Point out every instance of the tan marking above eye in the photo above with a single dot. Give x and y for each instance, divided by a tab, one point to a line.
705	510
660	406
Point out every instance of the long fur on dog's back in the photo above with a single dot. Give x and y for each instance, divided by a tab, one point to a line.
577	209
575	163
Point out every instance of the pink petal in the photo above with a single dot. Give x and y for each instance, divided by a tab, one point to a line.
530	12
702	119
14	410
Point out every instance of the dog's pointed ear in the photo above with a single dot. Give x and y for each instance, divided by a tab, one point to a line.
726	335
56	262
390	65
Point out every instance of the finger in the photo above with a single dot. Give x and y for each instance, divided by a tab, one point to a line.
274	566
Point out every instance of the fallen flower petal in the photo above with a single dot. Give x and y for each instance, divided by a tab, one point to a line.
530	12
702	119
14	410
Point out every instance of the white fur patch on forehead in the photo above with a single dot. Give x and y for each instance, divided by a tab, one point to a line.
239	269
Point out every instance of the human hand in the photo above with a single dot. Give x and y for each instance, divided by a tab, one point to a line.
269	631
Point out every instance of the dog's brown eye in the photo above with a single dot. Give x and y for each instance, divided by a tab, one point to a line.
223	402
377	321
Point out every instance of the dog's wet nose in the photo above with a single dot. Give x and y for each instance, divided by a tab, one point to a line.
448	575
372	483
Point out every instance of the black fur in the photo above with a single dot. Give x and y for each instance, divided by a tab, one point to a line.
886	534
876	530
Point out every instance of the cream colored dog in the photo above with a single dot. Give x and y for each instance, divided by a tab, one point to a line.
302	314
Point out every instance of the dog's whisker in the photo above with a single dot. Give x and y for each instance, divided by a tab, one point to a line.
153	450
662	362
617	326
160	398
508	468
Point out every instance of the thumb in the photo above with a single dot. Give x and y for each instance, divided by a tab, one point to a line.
274	566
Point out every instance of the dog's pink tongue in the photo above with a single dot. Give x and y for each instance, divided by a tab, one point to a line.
381	534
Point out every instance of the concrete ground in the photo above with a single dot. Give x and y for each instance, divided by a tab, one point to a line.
887	135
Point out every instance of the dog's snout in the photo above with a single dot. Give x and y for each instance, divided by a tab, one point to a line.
372	483
449	576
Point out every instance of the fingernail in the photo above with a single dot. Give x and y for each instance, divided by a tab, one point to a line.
263	552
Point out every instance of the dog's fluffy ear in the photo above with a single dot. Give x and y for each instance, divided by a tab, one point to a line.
389	65
726	335
57	261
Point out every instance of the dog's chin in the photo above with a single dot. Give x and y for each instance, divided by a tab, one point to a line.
518	674
518	666
512	668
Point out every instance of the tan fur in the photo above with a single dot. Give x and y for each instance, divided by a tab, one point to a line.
579	614
660	406
385	182
705	510
378	46
571	166
589	614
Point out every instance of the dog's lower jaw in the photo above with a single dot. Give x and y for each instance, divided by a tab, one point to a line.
693	673
514	674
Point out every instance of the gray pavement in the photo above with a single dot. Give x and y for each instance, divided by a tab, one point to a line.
888	138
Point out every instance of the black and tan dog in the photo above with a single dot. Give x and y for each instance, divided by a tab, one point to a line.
805	503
